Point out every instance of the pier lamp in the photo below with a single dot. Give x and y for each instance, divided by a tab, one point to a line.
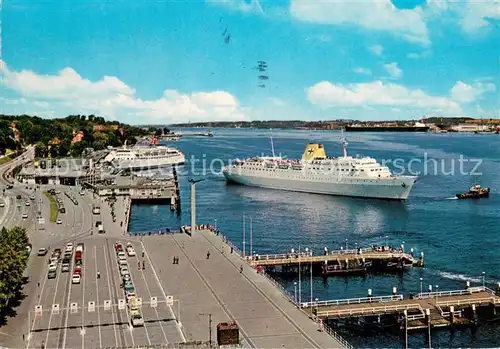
193	202
295	290
403	247
437	292
386	240
346	244
421	285
483	280
316	301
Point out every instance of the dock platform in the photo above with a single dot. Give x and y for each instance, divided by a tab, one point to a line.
437	309
340	262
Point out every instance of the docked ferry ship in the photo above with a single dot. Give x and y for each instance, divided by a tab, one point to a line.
317	173
144	156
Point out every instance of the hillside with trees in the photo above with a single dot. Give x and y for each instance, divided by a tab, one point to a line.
68	136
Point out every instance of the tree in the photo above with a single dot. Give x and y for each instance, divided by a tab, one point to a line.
13	261
54	151
166	131
158	132
40	150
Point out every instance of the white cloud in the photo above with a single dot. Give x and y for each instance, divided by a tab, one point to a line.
421	55
376	50
326	94
393	70
465	93
472	15
241	5
69	92
360	70
379	15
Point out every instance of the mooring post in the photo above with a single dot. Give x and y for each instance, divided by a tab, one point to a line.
474	314
405	312
452	314
428	319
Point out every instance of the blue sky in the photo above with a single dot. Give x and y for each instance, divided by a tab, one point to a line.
148	61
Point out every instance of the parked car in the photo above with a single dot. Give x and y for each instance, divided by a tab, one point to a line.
25	215
130	251
42	251
59	221
75	279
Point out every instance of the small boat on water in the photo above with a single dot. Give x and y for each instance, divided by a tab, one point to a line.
475	192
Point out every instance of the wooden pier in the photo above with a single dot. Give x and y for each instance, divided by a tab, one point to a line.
434	309
340	262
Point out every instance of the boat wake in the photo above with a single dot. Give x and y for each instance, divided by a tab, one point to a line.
452	198
460	277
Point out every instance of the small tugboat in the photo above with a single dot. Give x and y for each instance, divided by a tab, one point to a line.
475	192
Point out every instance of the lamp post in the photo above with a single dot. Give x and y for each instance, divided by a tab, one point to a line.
437	292
316	304
193	202
421	285
483	280
295	291
311	278
386	240
300	282
346	244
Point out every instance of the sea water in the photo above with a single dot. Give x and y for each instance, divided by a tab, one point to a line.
460	238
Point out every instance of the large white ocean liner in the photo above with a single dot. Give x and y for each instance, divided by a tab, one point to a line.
317	173
143	156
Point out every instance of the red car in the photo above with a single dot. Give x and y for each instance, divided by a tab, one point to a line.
118	246
78	270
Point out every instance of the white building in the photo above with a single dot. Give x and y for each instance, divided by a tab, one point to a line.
470	128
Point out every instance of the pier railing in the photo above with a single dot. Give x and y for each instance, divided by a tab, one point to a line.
368	310
465	292
292	299
305	255
379	299
491	300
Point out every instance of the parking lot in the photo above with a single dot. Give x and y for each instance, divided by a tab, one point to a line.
78	323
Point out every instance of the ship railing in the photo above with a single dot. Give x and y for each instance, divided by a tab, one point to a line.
368	310
379	299
467	291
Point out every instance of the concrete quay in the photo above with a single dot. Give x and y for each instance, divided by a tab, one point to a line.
214	285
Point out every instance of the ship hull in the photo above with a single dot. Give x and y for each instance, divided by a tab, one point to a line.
387	129
151	163
394	188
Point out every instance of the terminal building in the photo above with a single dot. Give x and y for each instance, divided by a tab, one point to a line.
72	172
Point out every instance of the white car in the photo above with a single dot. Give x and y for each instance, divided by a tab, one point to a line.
121	255
25	215
75	279
122	262
124	271
59	221
82	193
2	204
32	197
130	252
27	203
69	247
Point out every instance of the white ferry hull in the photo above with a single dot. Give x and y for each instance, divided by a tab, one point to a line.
396	188
152	163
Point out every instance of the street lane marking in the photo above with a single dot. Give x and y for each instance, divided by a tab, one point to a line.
97	297
38	303
156	311
53	301
108	274
146	253
83	297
